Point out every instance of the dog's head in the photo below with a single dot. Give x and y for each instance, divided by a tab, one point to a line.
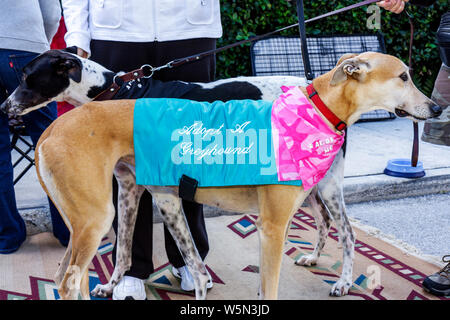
55	75
379	81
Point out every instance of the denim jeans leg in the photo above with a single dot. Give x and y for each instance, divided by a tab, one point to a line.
12	226
11	65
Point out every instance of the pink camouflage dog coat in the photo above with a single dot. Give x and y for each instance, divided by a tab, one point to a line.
305	146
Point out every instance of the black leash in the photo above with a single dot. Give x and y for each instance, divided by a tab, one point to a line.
415	148
303	45
181	61
148	70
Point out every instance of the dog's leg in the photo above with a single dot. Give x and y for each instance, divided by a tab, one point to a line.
172	213
63	264
128	202
85	239
277	204
88	213
323	225
332	195
347	238
84	285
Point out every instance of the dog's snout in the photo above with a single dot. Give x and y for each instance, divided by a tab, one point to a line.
436	110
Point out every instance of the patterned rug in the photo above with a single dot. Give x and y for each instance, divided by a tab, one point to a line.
381	271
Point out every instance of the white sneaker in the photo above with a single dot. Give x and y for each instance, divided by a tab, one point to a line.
129	288
187	281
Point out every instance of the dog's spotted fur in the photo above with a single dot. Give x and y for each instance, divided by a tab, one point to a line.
129	195
170	208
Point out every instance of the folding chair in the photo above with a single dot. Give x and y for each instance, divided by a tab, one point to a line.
19	133
282	56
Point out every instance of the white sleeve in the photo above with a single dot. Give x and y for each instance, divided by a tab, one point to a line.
76	17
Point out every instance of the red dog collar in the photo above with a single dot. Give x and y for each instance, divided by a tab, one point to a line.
314	96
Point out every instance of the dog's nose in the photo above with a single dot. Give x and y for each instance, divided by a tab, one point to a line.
435	110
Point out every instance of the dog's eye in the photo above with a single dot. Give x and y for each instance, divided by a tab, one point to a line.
404	76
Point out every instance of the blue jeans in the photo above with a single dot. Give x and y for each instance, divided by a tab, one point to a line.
12	226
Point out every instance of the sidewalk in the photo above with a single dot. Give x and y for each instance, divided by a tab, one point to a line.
370	145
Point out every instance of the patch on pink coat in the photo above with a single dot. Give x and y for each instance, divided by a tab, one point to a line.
305	146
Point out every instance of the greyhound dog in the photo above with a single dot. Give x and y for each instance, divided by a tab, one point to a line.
60	75
346	97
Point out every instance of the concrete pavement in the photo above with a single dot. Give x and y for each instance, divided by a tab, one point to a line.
372	144
421	224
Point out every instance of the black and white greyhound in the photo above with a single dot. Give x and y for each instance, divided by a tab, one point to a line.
61	75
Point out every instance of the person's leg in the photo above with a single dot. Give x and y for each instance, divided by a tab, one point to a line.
199	71
439	282
437	131
12	226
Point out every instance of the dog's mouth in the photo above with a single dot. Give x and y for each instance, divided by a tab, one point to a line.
402	114
15	112
11	112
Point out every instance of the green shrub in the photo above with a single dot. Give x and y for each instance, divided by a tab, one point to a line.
244	18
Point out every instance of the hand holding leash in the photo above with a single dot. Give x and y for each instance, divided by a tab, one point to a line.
395	6
82	53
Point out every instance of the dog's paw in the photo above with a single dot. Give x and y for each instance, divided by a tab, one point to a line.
307	260
102	291
340	288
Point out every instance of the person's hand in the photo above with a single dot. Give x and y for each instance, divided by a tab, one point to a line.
82	53
395	6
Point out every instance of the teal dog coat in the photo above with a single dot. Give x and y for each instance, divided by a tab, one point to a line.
218	144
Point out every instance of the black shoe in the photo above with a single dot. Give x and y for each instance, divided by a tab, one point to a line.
439	283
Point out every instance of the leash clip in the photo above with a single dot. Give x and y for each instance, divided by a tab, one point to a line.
148	70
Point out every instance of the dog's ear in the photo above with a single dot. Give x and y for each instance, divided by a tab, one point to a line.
349	65
30	65
70	66
345	57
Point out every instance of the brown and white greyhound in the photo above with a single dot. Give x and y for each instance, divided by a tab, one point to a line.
78	154
61	75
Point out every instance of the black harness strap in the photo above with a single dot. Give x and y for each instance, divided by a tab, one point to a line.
187	188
